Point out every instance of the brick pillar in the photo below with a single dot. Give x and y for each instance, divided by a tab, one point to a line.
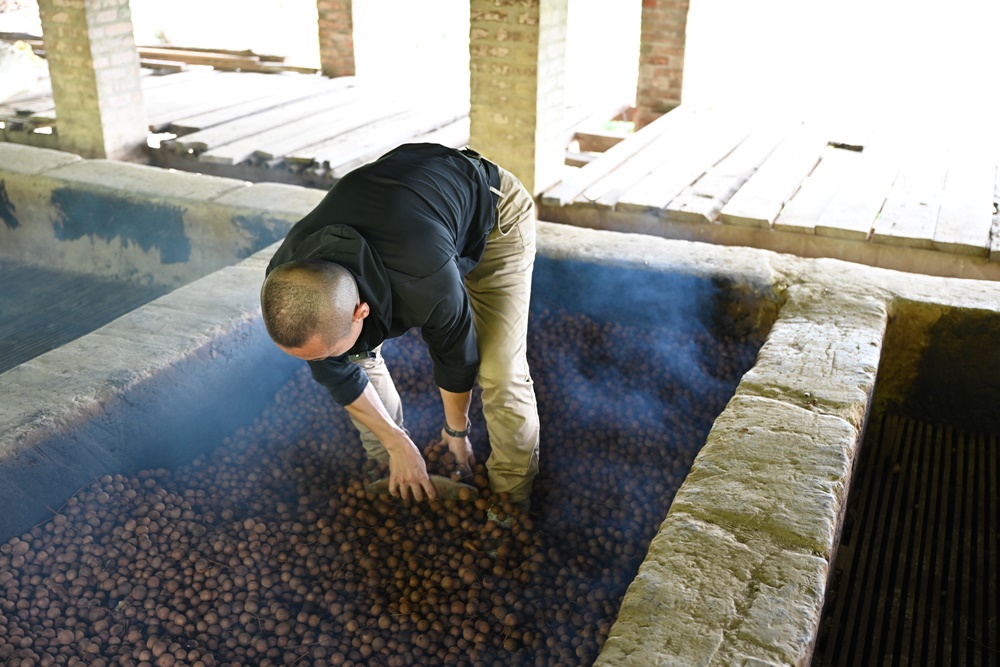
661	58
336	37
96	83
517	63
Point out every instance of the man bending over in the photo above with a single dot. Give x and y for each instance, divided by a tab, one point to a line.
427	237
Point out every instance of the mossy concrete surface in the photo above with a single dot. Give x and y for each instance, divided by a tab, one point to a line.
134	222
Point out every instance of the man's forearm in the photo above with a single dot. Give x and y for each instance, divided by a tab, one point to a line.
369	410
456	409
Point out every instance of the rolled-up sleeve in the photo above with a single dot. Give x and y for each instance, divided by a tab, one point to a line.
344	380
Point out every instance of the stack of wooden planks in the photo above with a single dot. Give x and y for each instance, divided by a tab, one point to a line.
178	58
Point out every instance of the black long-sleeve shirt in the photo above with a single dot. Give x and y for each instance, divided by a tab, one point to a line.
409	227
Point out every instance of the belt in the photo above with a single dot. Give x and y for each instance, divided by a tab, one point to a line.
491	170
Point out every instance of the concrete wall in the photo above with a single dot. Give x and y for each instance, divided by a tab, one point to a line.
135	222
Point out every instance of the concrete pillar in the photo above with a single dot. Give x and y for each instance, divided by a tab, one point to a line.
96	81
336	37
662	39
518	63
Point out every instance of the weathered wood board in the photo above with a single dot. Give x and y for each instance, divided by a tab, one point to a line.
852	213
701	148
760	200
702	201
569	189
911	208
965	219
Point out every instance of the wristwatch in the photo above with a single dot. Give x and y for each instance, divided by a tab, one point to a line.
458	434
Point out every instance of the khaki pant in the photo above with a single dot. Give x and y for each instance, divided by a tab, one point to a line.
499	289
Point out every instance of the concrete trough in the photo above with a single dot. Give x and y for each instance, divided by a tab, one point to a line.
75	231
736	573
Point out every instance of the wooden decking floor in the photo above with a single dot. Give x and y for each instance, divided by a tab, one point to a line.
906	196
304	129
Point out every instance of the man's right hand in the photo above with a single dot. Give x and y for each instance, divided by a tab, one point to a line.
407	470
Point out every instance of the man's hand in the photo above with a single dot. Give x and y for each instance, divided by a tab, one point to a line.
456	411
461	448
408	472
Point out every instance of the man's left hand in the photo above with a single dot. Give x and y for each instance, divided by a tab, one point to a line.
461	448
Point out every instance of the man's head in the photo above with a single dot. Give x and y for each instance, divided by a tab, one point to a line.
312	309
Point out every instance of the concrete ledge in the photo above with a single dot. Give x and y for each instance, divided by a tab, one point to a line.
772	470
19	159
703	597
135	222
823	353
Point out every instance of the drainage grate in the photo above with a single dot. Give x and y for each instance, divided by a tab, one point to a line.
916	572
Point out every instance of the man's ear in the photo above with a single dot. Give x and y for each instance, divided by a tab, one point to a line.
361	311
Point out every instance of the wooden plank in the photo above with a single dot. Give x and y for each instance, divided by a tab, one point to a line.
298	119
163	104
163	65
702	201
572	159
593	141
761	198
153	81
695	153
226	61
966	216
221	135
592	116
196	57
246	53
323	152
454	135
290	90
818	189
572	187
668	146
911	208
309	131
357	151
852	214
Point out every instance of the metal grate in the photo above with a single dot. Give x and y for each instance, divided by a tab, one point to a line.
42	309
916	572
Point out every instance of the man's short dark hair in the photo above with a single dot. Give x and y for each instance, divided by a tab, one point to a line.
299	299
